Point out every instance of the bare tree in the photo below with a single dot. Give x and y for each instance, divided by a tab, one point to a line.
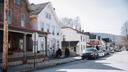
124	32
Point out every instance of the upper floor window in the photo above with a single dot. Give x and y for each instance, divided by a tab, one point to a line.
17	2
53	31
48	30
1	1
9	16
42	26
81	38
0	15
22	20
57	31
48	15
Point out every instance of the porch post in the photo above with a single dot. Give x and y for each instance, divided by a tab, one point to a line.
69	44
35	49
24	50
46	45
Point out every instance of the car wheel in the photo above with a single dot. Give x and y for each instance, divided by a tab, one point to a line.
94	57
82	58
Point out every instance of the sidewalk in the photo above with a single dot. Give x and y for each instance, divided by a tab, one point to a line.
121	57
50	63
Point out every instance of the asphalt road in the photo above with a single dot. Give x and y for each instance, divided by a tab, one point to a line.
116	62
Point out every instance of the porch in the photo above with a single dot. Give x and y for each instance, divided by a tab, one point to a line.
21	45
71	45
18	42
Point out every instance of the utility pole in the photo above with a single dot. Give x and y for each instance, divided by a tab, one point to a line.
5	37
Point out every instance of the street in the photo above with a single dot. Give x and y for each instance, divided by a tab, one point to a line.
116	62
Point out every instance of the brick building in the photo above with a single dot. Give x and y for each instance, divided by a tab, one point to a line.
21	31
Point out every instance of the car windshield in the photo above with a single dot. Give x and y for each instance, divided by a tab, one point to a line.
90	49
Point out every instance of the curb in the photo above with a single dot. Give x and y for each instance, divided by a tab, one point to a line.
48	66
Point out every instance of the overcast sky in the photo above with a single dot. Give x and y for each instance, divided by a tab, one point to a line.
105	16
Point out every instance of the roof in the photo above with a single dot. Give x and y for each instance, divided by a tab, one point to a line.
37	8
66	43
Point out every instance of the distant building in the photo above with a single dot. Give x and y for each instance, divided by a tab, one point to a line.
73	39
114	38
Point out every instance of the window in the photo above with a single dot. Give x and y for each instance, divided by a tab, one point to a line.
53	31
81	38
42	44
48	27
48	16
42	26
22	20
17	2
57	31
0	15
9	16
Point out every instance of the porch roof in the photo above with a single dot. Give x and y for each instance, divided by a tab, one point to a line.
21	29
72	43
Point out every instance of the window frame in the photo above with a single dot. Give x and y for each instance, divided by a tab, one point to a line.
22	20
42	26
16	2
48	15
9	16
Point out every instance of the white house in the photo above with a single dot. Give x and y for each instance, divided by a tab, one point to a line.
47	21
74	40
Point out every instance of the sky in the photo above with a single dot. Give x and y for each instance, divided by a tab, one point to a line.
104	16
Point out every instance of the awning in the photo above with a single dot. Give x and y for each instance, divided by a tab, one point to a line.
69	43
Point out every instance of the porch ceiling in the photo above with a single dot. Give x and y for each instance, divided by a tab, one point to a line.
72	43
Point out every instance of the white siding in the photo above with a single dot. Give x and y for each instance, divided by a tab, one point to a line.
50	24
73	35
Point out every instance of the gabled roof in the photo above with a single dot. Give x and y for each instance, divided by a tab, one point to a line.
37	8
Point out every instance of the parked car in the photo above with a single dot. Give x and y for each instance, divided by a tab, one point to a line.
90	53
101	53
112	50
117	50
